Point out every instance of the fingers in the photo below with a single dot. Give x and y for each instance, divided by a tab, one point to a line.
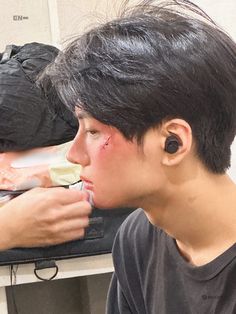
54	195
47	216
73	211
65	196
65	223
71	235
73	225
73	229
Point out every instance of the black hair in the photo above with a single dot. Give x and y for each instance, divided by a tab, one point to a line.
155	62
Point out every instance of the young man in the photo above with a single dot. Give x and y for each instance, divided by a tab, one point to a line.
154	92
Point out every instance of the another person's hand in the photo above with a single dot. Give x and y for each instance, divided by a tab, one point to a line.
43	217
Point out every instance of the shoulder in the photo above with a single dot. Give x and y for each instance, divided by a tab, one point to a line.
136	219
137	226
138	245
135	238
134	226
133	247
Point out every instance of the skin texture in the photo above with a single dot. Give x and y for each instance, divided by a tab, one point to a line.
44	217
176	191
110	162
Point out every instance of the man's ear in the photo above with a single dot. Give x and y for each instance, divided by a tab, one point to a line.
176	141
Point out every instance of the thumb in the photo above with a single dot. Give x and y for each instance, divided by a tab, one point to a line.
85	195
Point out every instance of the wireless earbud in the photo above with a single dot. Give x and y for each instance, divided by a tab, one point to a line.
172	144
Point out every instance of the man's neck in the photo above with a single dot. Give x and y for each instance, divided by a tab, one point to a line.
200	215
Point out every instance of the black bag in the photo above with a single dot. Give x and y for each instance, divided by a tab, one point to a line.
98	239
28	117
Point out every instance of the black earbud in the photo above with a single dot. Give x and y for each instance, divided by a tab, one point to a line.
172	144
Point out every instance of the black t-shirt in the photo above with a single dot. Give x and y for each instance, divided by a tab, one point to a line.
152	277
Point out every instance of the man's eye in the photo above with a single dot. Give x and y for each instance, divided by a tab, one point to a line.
92	132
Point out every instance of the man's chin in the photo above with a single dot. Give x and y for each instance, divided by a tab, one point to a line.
108	204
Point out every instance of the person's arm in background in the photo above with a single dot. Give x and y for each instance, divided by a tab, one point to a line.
43	217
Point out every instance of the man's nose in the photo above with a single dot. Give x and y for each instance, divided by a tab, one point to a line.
76	154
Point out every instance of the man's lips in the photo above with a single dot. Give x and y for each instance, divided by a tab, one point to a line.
88	185
85	180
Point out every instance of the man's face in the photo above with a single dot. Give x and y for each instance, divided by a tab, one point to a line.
116	171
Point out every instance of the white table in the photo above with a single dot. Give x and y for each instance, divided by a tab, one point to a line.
76	267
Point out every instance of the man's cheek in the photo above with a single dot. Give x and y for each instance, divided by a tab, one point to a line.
106	143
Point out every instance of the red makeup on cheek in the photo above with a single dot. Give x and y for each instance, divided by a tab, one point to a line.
112	143
107	138
106	143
